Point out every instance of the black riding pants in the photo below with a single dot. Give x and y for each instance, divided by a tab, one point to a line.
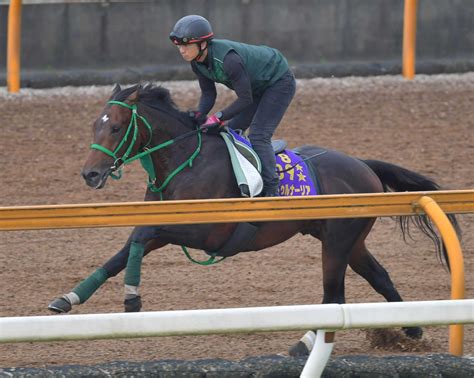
263	117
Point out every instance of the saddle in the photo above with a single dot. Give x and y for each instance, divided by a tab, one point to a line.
296	177
245	163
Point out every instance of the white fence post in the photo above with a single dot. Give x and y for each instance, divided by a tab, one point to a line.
319	356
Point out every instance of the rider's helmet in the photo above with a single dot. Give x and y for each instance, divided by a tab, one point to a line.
191	29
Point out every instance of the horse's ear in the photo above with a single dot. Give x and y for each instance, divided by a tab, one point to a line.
116	90
135	95
133	98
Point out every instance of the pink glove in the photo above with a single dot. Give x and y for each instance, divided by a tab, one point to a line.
211	121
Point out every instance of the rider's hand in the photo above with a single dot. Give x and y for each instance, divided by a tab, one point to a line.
197	117
213	122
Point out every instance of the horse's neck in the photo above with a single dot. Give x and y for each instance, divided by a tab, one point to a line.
203	160
209	169
166	128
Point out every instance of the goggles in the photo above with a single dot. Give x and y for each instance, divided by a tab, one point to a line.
186	40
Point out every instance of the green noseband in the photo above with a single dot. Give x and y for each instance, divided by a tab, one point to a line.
132	129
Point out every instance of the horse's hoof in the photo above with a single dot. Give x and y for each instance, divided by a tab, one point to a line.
413	332
298	350
60	305
133	304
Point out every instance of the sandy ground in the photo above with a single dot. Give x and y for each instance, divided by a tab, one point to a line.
425	125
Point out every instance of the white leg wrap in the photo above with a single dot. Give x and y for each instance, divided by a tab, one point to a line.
73	298
131	291
309	339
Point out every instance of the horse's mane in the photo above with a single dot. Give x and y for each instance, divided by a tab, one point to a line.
154	96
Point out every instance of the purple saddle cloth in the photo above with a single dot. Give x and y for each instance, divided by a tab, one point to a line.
296	179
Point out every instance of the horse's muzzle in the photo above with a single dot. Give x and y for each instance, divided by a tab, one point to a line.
95	179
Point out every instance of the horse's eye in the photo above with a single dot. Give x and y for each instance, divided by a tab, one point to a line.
115	129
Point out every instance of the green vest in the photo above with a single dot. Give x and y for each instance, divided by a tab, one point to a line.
264	64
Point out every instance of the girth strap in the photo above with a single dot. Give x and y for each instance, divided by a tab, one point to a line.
240	239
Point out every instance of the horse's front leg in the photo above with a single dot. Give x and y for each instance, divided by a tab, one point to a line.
145	236
143	240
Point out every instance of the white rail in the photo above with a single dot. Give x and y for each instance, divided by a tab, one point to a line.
253	319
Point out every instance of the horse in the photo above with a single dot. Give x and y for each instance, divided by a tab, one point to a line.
182	160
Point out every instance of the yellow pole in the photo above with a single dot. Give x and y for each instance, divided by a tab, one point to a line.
13	47
453	247
409	39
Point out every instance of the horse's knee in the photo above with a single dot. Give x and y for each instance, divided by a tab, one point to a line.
143	235
118	262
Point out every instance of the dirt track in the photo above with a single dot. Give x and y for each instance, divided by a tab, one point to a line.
425	125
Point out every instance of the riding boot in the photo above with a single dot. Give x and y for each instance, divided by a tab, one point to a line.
264	150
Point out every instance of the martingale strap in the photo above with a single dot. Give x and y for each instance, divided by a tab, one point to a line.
211	261
148	164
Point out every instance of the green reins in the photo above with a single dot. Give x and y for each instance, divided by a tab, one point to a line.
146	161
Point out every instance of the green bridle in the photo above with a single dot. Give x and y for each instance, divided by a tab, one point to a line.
133	125
144	155
146	161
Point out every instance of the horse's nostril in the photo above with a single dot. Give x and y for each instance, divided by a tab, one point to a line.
92	178
88	176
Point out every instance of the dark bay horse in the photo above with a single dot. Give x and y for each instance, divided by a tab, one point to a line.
185	163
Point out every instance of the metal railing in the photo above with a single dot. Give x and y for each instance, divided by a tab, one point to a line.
435	204
230	210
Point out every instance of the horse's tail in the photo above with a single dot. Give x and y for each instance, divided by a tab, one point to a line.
397	179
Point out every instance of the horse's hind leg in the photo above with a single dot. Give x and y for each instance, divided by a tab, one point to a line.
365	264
338	237
333	282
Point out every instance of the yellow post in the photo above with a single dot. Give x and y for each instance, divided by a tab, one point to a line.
453	247
13	46
409	39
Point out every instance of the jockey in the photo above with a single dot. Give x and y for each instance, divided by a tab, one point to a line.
259	75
